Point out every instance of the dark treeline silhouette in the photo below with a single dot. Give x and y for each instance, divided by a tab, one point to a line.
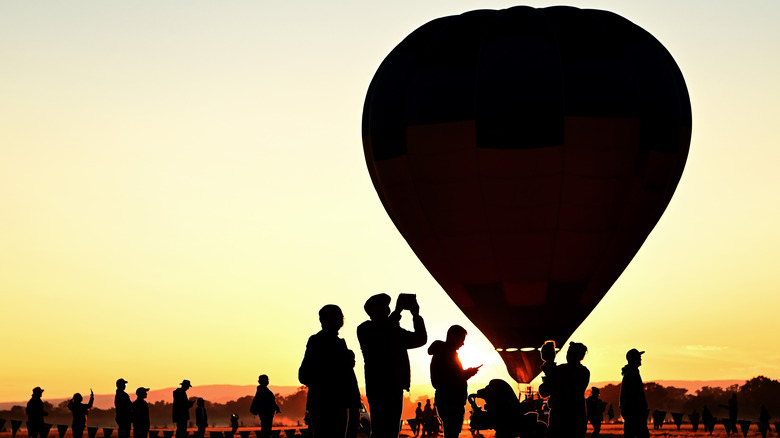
293	409
752	395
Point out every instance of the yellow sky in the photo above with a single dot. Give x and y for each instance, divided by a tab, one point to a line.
182	187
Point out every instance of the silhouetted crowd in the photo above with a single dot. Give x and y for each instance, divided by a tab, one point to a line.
334	404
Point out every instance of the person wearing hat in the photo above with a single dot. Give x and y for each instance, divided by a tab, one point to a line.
633	405
141	421
124	409
181	408
35	413
79	411
384	345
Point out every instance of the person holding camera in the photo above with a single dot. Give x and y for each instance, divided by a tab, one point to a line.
384	345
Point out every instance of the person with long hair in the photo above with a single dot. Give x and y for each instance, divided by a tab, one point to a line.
80	411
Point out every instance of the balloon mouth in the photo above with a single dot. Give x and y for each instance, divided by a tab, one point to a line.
522	363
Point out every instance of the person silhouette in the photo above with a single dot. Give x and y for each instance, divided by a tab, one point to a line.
595	409
79	411
733	411
429	423
505	412
141	420
201	417
418	416
567	384
763	416
694	417
633	404
124	409
35	413
234	423
450	380
264	405
707	419
384	345
328	370
181	408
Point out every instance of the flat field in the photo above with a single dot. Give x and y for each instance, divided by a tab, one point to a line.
607	431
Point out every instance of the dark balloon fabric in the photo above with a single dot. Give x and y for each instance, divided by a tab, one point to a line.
525	155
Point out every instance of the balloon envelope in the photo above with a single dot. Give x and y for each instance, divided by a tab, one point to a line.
525	155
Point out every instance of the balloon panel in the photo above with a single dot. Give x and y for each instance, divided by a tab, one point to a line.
525	155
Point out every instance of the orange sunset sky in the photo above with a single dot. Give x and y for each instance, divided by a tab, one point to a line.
182	187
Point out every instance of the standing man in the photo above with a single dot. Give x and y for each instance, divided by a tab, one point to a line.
595	408
181	408
264	405
328	370
35	413
633	404
450	380
141	421
124	409
384	344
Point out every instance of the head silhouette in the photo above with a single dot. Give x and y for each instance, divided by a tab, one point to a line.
77	398
331	317
185	384
456	336
121	384
378	306
576	352
200	401
547	351
595	391
37	391
634	357
263	380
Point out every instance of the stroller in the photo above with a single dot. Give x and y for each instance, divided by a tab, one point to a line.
504	413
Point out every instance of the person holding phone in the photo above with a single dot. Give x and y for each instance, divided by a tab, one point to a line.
450	380
384	345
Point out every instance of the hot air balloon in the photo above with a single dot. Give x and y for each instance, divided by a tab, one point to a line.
525	155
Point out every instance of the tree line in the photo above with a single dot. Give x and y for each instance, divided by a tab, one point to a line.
754	393
750	396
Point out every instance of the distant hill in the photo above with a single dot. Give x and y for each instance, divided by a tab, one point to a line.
226	393
212	393
691	385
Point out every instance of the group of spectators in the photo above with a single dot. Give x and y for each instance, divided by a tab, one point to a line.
333	398
134	415
333	401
